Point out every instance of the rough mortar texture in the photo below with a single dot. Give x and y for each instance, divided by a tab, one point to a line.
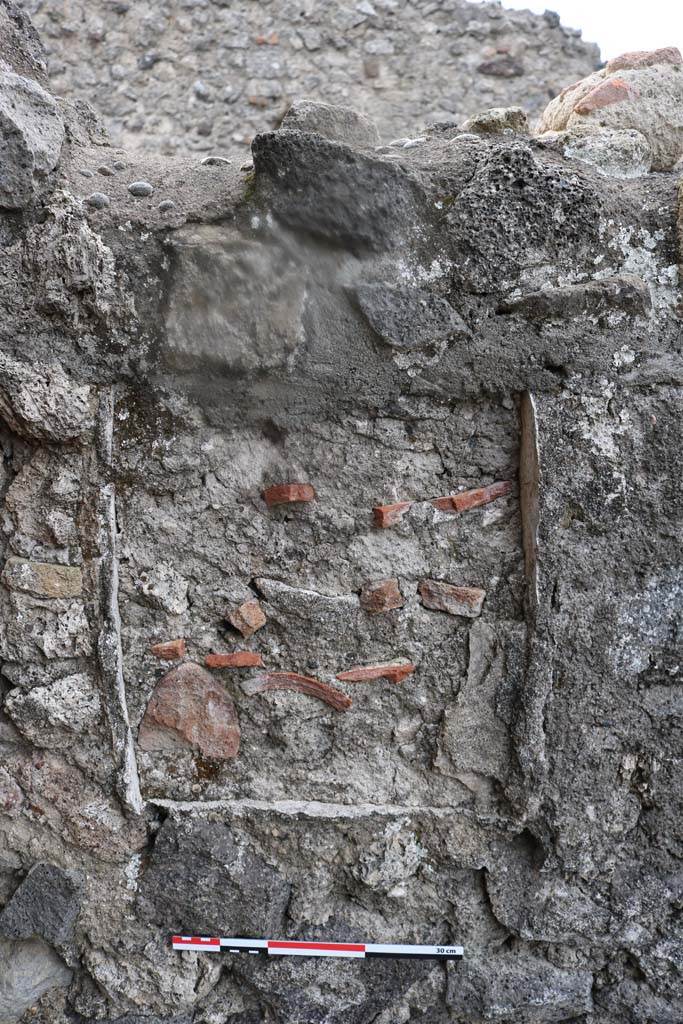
207	75
478	329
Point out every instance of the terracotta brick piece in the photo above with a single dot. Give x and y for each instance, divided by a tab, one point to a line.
389	515
189	709
645	58
236	659
394	671
303	684
466	500
612	90
381	596
168	650
444	597
287	494
444	504
247	618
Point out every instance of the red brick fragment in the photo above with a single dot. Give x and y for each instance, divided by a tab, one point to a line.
612	90
188	709
444	504
271	40
381	596
394	671
645	58
247	618
237	659
444	597
257	101
389	515
169	650
466	500
285	494
481	495
303	684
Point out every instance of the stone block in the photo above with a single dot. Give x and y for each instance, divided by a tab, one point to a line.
340	124
42	578
496	120
519	989
51	716
205	877
641	92
409	318
27	971
31	136
46	905
41	402
444	597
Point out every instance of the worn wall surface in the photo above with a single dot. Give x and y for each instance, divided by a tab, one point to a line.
207	75
385	326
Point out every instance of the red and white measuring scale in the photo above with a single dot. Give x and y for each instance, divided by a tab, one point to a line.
275	947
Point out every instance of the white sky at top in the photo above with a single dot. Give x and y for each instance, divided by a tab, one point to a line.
618	25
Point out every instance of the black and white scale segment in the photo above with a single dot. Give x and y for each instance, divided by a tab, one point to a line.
275	947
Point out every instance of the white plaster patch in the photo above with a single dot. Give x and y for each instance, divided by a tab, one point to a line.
132	871
647	622
638	249
602	428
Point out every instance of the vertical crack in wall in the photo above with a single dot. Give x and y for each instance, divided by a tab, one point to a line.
109	652
529	486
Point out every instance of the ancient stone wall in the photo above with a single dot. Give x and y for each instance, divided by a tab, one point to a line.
339	586
207	75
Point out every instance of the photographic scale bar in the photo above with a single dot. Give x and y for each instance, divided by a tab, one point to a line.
275	947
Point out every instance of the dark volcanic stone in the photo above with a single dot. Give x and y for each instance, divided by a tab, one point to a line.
625	292
47	904
519	989
204	879
329	190
408	318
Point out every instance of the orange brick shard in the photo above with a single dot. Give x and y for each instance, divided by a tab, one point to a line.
393	671
286	494
236	659
247	618
168	650
612	90
303	684
389	515
444	504
466	500
188	709
481	495
645	58
382	596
